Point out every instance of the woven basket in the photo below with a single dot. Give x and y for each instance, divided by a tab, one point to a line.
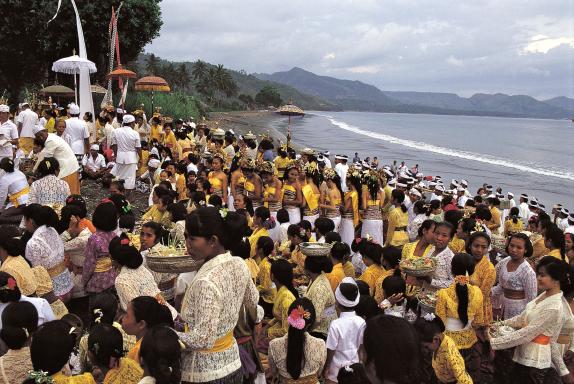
419	272
426	307
172	264
315	249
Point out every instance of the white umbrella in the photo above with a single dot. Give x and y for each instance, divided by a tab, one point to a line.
72	65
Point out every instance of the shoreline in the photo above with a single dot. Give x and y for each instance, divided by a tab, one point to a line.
258	122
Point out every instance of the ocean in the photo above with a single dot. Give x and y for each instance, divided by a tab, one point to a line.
532	156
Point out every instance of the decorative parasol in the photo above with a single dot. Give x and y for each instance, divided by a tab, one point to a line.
73	65
290	110
95	88
152	84
57	89
120	72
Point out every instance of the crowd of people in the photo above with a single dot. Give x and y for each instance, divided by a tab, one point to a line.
81	300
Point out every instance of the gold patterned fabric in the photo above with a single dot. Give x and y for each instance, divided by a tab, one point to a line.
379	292
371	275
259	232
127	372
447	308
484	277
45	290
278	326
20	270
323	299
14	365
336	276
264	283
448	363
86	378
395	235
457	245
314	352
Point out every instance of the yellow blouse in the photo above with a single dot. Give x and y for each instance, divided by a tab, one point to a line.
349	269
311	198
279	325
264	283
143	162
134	353
155	133
86	378
252	267
408	251
154	214
447	307
128	372
254	237
280	165
555	253
448	363
397	231
457	245
354	196
510	227
379	292
50	125
539	248
20	270
336	276
494	222
371	275
484	277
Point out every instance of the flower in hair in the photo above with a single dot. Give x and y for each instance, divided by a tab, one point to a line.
223	212
429	316
462	279
297	317
10	284
348	369
99	316
40	377
126	241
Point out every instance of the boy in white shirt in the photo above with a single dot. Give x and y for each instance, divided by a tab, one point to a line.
345	333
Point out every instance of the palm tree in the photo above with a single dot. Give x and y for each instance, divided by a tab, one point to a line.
183	76
199	70
152	64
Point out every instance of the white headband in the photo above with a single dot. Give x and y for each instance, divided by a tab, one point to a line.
342	299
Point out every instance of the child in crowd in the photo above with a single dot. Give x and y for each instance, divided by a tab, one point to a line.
345	333
160	356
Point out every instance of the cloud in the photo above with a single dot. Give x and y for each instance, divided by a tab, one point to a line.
463	47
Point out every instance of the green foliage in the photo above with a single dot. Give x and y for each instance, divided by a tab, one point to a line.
30	46
175	104
268	96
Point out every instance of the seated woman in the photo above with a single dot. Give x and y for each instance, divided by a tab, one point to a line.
282	277
298	357
19	322
106	354
12	263
46	249
75	240
98	275
103	310
14	188
48	188
51	348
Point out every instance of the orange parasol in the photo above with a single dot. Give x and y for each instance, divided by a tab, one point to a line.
152	83
120	71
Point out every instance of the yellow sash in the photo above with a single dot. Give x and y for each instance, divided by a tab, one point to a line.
103	264
355	205
221	344
310	197
15	196
57	269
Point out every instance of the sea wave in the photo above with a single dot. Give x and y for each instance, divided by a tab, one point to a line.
421	146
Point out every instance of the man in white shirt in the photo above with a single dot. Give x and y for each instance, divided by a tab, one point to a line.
55	146
462	198
78	132
570	227
342	168
127	149
26	120
8	133
523	210
94	163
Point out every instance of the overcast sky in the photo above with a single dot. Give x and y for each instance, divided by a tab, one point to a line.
460	46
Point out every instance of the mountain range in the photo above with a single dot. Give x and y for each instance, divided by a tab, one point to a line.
355	95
